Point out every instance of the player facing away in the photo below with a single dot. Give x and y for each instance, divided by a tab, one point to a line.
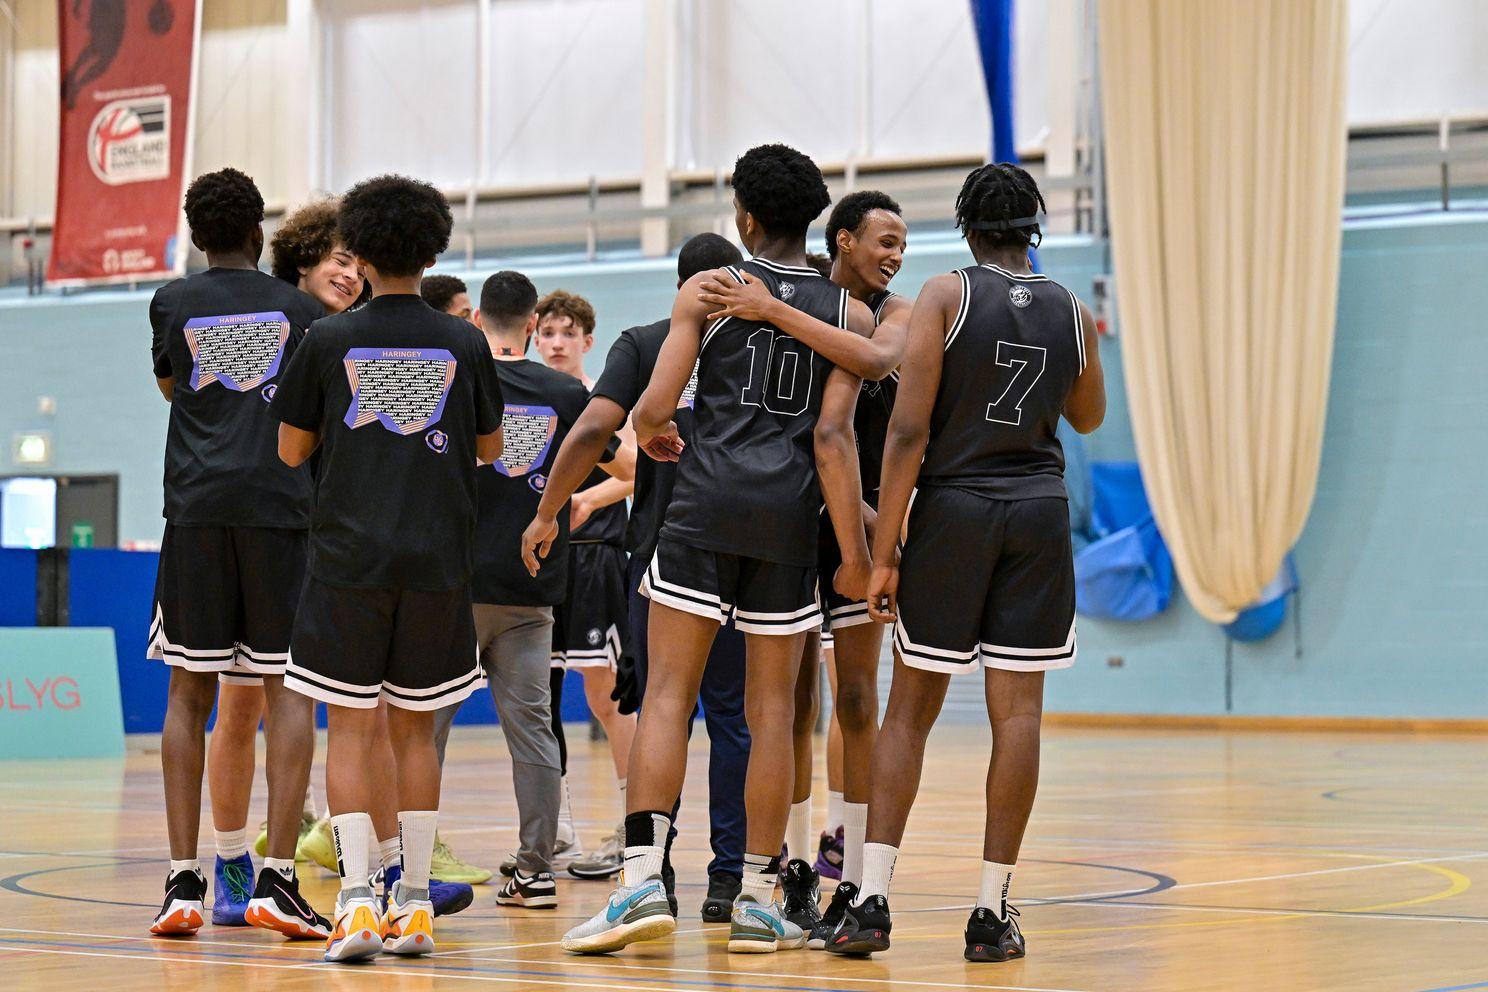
628	370
233	555
866	238
996	355
401	400
739	541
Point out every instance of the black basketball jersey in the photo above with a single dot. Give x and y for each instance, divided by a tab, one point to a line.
746	484
871	419
1011	357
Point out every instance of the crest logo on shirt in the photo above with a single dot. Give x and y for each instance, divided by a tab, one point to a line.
241	351
594	637
526	437
268	392
403	389
1020	296
537	481
787	290
437	440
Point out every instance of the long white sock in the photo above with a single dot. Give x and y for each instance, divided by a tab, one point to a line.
622	783
284	866
566	830
645	846
761	872
996	880
878	871
854	830
834	812
189	864
353	833
390	852
231	843
416	828
798	831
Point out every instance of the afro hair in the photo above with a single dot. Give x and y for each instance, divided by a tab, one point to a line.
850	212
306	236
703	252
397	224
782	188
224	208
439	290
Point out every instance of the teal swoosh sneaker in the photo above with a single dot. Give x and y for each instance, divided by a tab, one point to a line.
633	913
762	929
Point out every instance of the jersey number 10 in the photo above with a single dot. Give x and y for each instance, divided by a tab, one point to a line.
1026	363
779	373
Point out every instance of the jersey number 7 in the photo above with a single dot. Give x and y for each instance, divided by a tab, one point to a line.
1025	363
779	373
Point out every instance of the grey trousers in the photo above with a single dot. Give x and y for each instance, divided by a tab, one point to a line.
516	644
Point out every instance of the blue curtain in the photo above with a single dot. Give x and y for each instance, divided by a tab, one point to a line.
994	28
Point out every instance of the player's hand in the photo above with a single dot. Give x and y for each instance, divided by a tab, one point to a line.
749	300
870	522
665	446
537	541
580	509
851	580
883	593
627	691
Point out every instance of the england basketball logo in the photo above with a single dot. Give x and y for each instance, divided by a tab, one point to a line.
787	290
1020	296
129	140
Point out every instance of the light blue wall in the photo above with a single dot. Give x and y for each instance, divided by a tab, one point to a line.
1392	561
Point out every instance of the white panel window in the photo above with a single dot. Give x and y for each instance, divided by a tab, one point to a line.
1416	60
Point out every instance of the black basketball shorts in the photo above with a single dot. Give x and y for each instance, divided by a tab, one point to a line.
225	599
762	597
838	609
590	627
986	583
353	647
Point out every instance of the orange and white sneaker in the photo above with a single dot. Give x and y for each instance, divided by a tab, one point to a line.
409	925
181	915
357	933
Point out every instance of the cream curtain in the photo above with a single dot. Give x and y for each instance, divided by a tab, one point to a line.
1225	142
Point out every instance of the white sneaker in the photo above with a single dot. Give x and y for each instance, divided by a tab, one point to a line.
408	926
357	932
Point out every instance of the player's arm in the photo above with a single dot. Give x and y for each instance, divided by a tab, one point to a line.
167	387
1086	406
837	468
165	379
909	432
296	445
655	432
621	468
488	447
871	357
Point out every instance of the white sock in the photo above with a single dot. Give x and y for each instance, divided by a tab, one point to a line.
390	852
878	871
566	830
416	828
645	846
854	830
834	812
798	831
353	833
622	782
284	866
307	812
190	864
996	880
761	872
231	843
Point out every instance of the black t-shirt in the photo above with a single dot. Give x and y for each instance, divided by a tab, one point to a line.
871	417
605	525
540	407
628	369
225	336
398	393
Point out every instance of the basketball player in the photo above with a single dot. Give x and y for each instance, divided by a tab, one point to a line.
233	555
628	369
866	237
394	391
591	626
996	354
447	294
739	541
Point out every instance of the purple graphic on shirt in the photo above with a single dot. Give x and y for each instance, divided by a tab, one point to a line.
404	389
240	350
526	436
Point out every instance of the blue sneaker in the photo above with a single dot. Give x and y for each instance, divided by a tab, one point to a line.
232	887
448	898
757	928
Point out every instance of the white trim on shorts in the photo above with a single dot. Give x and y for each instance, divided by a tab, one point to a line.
848	615
607	655
1031	659
808	617
983	655
436	697
334	692
161	648
701	604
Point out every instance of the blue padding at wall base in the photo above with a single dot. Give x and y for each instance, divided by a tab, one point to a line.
111	588
17	587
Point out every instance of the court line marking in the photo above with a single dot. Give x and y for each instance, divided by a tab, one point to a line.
1460	988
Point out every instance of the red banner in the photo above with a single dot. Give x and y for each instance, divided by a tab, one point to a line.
128	72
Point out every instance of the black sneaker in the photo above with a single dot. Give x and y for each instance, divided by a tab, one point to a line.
863	929
669	882
181	913
529	891
277	905
723	889
991	939
802	887
841	899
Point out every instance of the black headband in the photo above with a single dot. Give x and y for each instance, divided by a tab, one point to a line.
1002	225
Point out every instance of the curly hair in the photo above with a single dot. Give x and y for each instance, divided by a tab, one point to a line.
854	208
438	290
560	303
1000	203
224	208
782	188
306	236
398	224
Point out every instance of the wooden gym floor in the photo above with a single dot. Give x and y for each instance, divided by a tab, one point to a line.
1156	860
